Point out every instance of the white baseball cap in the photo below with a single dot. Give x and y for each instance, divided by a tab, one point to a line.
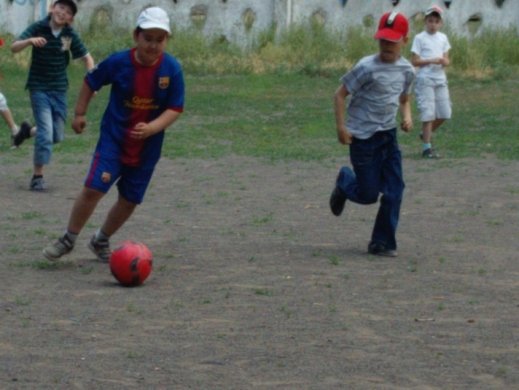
154	17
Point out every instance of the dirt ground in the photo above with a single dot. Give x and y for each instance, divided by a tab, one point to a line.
256	285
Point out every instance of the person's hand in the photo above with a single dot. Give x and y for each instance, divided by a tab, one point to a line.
141	130
79	124
38	41
406	125
344	136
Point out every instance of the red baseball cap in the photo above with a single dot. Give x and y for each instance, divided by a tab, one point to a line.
393	26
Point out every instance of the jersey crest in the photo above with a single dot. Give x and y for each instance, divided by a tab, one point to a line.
164	82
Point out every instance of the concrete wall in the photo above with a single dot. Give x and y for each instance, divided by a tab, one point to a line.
239	21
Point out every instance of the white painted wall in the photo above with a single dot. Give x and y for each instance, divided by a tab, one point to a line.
226	17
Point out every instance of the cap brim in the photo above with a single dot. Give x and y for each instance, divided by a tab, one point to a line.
438	14
146	26
388	34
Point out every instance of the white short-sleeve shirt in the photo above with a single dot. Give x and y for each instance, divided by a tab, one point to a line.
428	46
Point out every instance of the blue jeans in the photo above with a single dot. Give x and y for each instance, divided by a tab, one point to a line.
49	109
377	163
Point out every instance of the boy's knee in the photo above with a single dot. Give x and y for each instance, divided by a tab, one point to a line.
3	103
369	196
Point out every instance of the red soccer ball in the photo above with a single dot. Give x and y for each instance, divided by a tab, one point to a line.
131	263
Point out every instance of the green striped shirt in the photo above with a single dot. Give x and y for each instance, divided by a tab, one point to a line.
48	71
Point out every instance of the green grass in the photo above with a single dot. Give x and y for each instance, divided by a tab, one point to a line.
274	101
290	117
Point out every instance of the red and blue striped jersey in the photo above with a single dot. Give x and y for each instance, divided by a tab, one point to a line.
138	94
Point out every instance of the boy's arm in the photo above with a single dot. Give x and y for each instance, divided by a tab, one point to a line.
21	44
144	130
445	61
418	61
339	101
83	100
88	61
405	113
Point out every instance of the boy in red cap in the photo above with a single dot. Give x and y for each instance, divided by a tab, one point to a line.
379	87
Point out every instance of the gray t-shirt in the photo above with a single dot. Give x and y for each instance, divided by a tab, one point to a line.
375	88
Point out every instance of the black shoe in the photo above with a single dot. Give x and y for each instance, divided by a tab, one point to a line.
430	153
337	201
23	134
377	249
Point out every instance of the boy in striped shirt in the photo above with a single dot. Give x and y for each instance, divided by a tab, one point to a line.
53	42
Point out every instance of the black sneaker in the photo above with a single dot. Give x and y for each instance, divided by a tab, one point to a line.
23	134
100	248
337	201
377	249
57	249
430	153
37	184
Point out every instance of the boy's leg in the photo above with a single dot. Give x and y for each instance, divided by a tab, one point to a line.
118	215
42	112
7	116
384	231
361	186
82	209
426	136
9	120
436	123
443	105
427	128
132	186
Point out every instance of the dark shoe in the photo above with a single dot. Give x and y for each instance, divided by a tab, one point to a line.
23	134
430	153
57	249
380	250
337	201
100	248
37	184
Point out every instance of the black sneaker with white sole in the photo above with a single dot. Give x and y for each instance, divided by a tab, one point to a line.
374	248
100	248
23	134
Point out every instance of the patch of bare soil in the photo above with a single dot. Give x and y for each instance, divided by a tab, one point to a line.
256	285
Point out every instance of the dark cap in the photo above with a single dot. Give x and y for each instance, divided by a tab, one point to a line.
70	3
434	10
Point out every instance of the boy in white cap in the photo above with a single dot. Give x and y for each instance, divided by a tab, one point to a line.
379	86
430	53
147	96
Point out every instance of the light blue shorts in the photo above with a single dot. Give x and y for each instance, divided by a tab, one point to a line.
433	100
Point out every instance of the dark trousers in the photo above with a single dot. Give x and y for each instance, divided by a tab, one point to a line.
377	169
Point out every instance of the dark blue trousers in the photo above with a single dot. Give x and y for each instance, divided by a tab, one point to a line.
377	169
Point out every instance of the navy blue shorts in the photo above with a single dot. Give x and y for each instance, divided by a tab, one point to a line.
132	182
